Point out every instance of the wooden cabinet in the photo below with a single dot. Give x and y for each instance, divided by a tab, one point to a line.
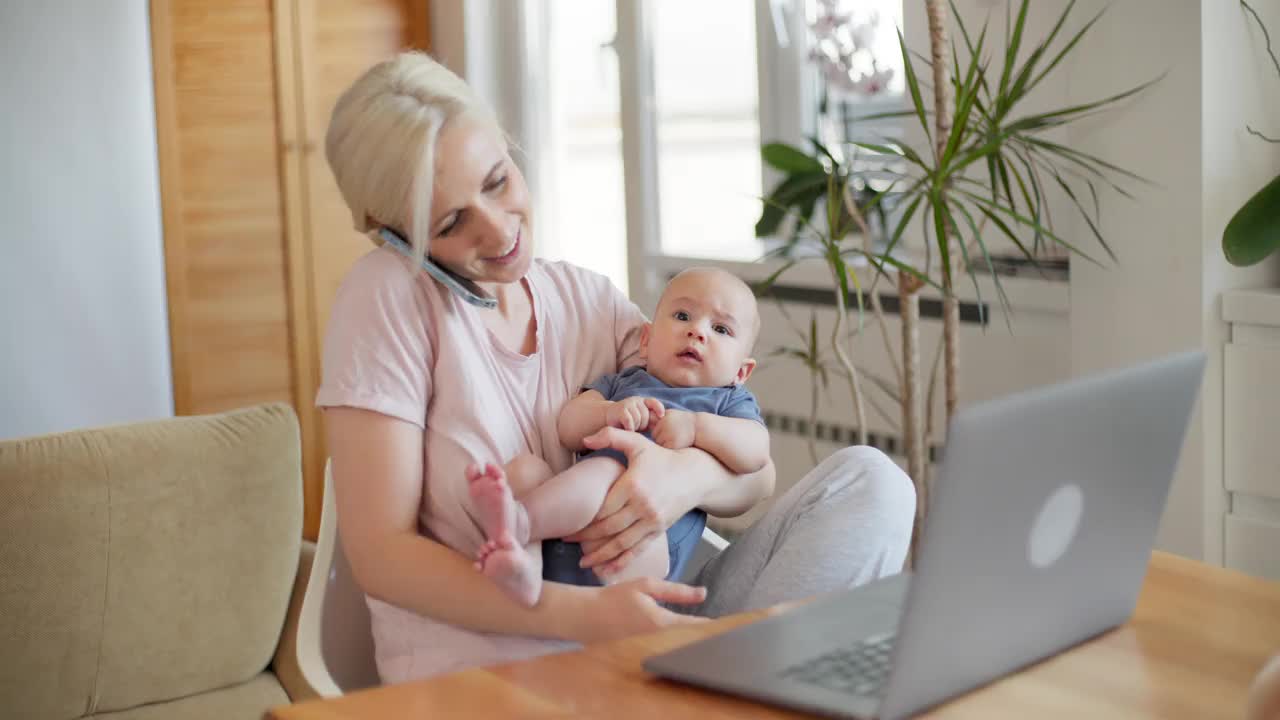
256	235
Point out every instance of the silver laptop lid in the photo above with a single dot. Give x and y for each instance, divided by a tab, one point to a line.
1043	515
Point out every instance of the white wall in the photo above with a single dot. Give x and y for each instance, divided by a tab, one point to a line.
83	328
1241	88
1188	135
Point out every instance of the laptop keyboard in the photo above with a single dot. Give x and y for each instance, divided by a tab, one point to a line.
859	668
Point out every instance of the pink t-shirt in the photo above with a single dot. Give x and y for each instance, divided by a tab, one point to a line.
400	344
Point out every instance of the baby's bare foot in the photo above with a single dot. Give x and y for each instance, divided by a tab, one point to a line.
506	527
501	520
513	569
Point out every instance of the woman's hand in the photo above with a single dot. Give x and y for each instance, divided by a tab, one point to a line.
631	607
650	496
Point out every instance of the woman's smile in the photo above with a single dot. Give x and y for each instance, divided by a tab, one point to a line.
510	255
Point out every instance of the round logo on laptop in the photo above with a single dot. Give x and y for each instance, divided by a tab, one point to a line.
1055	526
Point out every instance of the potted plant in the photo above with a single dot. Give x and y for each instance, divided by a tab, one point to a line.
989	167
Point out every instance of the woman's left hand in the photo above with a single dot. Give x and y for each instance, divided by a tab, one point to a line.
640	506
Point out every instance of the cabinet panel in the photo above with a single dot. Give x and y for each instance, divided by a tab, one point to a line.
1251	419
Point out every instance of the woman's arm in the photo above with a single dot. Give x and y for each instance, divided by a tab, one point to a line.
377	481
658	487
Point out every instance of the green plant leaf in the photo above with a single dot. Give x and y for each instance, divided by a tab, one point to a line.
882	115
1006	308
1093	227
1066	50
794	191
1011	55
1088	162
765	286
913	85
938	204
966	96
1028	222
901	266
789	159
902	223
818	146
1254	231
964	254
1058	117
1008	232
770	218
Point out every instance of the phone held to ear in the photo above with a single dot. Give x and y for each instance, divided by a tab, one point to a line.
459	285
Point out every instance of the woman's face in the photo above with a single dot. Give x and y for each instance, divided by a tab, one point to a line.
480	225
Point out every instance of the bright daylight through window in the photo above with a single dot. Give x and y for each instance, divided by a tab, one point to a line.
707	60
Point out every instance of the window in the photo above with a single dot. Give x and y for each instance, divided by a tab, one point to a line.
653	121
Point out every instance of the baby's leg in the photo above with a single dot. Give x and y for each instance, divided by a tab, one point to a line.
568	502
503	557
654	561
525	473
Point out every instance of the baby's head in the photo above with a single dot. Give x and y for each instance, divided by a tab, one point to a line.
703	331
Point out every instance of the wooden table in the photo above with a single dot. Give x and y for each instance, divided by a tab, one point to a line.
1193	645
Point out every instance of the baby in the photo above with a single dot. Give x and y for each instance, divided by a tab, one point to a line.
689	393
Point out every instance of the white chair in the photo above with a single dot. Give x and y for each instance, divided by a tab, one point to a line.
335	644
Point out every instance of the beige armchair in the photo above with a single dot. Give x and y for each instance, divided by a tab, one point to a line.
153	570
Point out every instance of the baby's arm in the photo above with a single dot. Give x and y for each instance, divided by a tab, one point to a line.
740	444
587	413
582	416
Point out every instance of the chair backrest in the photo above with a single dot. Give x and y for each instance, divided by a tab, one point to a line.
335	642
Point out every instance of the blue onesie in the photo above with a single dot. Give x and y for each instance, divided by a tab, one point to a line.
559	558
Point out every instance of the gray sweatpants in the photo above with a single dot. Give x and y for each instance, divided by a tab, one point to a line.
847	522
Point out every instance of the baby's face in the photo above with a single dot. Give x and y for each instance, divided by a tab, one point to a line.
702	331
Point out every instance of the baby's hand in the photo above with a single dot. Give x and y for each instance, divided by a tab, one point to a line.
634	414
676	430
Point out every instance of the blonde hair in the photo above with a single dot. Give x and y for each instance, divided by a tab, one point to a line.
382	140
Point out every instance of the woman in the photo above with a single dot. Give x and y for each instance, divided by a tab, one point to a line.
419	382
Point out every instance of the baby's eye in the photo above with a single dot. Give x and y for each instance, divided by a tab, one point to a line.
497	183
722	329
682	316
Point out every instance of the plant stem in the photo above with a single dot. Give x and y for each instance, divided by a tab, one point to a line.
877	309
938	44
928	403
909	291
1266	35
837	344
813	419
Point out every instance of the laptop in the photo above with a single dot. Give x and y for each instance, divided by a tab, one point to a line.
1044	511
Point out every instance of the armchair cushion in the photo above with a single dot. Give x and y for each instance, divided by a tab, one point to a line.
145	562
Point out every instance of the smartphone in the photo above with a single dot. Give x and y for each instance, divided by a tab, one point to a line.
459	285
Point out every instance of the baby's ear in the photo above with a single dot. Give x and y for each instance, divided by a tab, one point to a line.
644	340
744	371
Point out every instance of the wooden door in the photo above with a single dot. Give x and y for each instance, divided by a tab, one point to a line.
223	210
334	41
256	235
